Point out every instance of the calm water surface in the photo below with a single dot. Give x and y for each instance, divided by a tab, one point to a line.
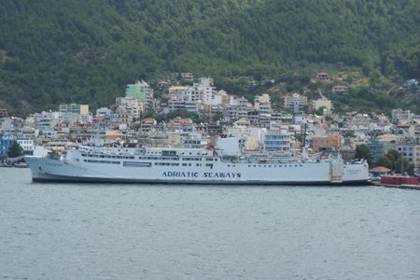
69	231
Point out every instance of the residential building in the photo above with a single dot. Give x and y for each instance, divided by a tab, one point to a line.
3	113
326	143
27	145
5	144
104	112
410	150
176	103
186	76
71	112
323	76
69	108
379	146
277	141
295	102
239	108
401	116
129	109
46	121
262	104
322	103
203	90
10	126
340	89
141	91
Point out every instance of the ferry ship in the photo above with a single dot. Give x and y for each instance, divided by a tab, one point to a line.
192	166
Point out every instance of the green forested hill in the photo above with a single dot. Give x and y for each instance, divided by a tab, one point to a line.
86	50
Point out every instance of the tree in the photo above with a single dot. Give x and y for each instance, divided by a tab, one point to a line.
363	152
15	150
394	161
73	50
320	111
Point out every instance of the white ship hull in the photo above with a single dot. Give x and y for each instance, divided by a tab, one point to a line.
75	168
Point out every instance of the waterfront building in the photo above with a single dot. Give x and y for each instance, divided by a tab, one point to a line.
326	143
27	145
410	150
277	141
5	144
379	146
193	140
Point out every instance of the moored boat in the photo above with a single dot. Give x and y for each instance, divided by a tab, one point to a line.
192	166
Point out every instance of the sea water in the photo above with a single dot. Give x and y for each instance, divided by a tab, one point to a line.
95	231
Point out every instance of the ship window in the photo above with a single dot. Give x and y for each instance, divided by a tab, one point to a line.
101	161
189	164
136	164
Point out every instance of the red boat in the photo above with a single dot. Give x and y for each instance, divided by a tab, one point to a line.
400	181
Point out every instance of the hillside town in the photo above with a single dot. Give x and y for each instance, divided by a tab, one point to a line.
198	114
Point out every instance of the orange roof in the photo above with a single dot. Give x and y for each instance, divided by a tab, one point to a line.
380	169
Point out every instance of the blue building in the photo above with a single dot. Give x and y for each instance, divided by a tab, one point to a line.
276	142
5	144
